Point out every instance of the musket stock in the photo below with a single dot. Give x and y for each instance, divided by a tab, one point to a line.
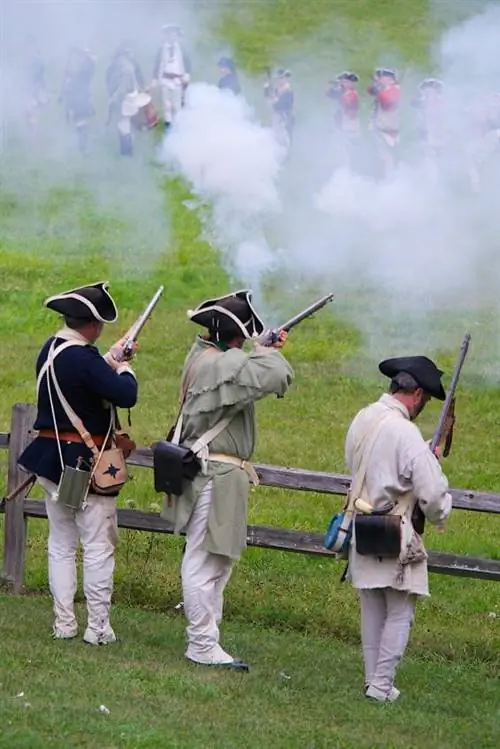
444	430
445	424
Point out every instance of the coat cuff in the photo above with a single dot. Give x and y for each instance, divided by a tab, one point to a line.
125	368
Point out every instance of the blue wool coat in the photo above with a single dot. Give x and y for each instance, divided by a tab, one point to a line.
89	385
230	81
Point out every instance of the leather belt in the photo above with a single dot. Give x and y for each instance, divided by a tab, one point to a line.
69	437
239	462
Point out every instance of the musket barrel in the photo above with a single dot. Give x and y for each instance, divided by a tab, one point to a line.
268	338
136	328
296	319
142	320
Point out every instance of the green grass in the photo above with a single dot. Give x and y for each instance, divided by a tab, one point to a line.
284	612
302	691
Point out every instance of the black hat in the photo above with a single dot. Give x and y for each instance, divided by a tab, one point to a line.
347	75
379	72
232	314
227	62
172	27
422	369
434	83
92	302
283	73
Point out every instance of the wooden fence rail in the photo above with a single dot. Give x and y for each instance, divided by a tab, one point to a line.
19	510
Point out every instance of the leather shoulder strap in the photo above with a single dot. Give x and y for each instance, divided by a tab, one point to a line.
365	445
70	413
53	352
184	390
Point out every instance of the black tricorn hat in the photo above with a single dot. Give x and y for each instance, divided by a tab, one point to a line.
232	314
92	302
227	62
347	75
389	72
434	83
422	369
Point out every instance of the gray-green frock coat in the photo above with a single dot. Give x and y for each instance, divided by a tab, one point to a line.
224	383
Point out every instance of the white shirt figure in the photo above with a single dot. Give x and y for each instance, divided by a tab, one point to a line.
394	472
172	73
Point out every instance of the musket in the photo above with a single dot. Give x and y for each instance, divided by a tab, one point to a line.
271	336
133	332
26	485
444	429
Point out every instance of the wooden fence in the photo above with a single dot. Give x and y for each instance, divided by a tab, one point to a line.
19	510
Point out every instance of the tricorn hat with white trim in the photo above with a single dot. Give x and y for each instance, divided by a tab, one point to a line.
434	83
172	27
92	302
347	75
229	315
386	72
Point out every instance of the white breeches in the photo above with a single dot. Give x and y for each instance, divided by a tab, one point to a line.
280	129
172	99
386	620
124	125
204	578
96	528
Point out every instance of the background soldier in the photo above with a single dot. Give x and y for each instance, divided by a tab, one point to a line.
278	91
172	72
483	131
75	93
125	84
93	386
395	471
220	384
431	105
344	94
386	117
228	75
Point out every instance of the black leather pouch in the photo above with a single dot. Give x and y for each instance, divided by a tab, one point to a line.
173	464
378	535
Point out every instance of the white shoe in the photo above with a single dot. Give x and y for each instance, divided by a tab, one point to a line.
375	693
217	658
64	634
91	637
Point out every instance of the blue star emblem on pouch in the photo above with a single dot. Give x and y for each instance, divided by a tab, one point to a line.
112	470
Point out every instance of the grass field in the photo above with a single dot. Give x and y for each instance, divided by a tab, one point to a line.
301	693
285	613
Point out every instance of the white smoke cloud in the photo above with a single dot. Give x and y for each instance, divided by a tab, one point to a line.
232	164
412	257
43	171
401	253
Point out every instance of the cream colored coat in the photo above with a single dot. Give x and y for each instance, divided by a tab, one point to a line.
400	462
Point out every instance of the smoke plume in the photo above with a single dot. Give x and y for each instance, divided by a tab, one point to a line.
411	255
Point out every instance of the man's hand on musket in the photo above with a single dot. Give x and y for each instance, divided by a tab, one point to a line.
283	335
278	343
438	450
116	356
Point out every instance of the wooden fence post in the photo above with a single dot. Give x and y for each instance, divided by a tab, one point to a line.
23	416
